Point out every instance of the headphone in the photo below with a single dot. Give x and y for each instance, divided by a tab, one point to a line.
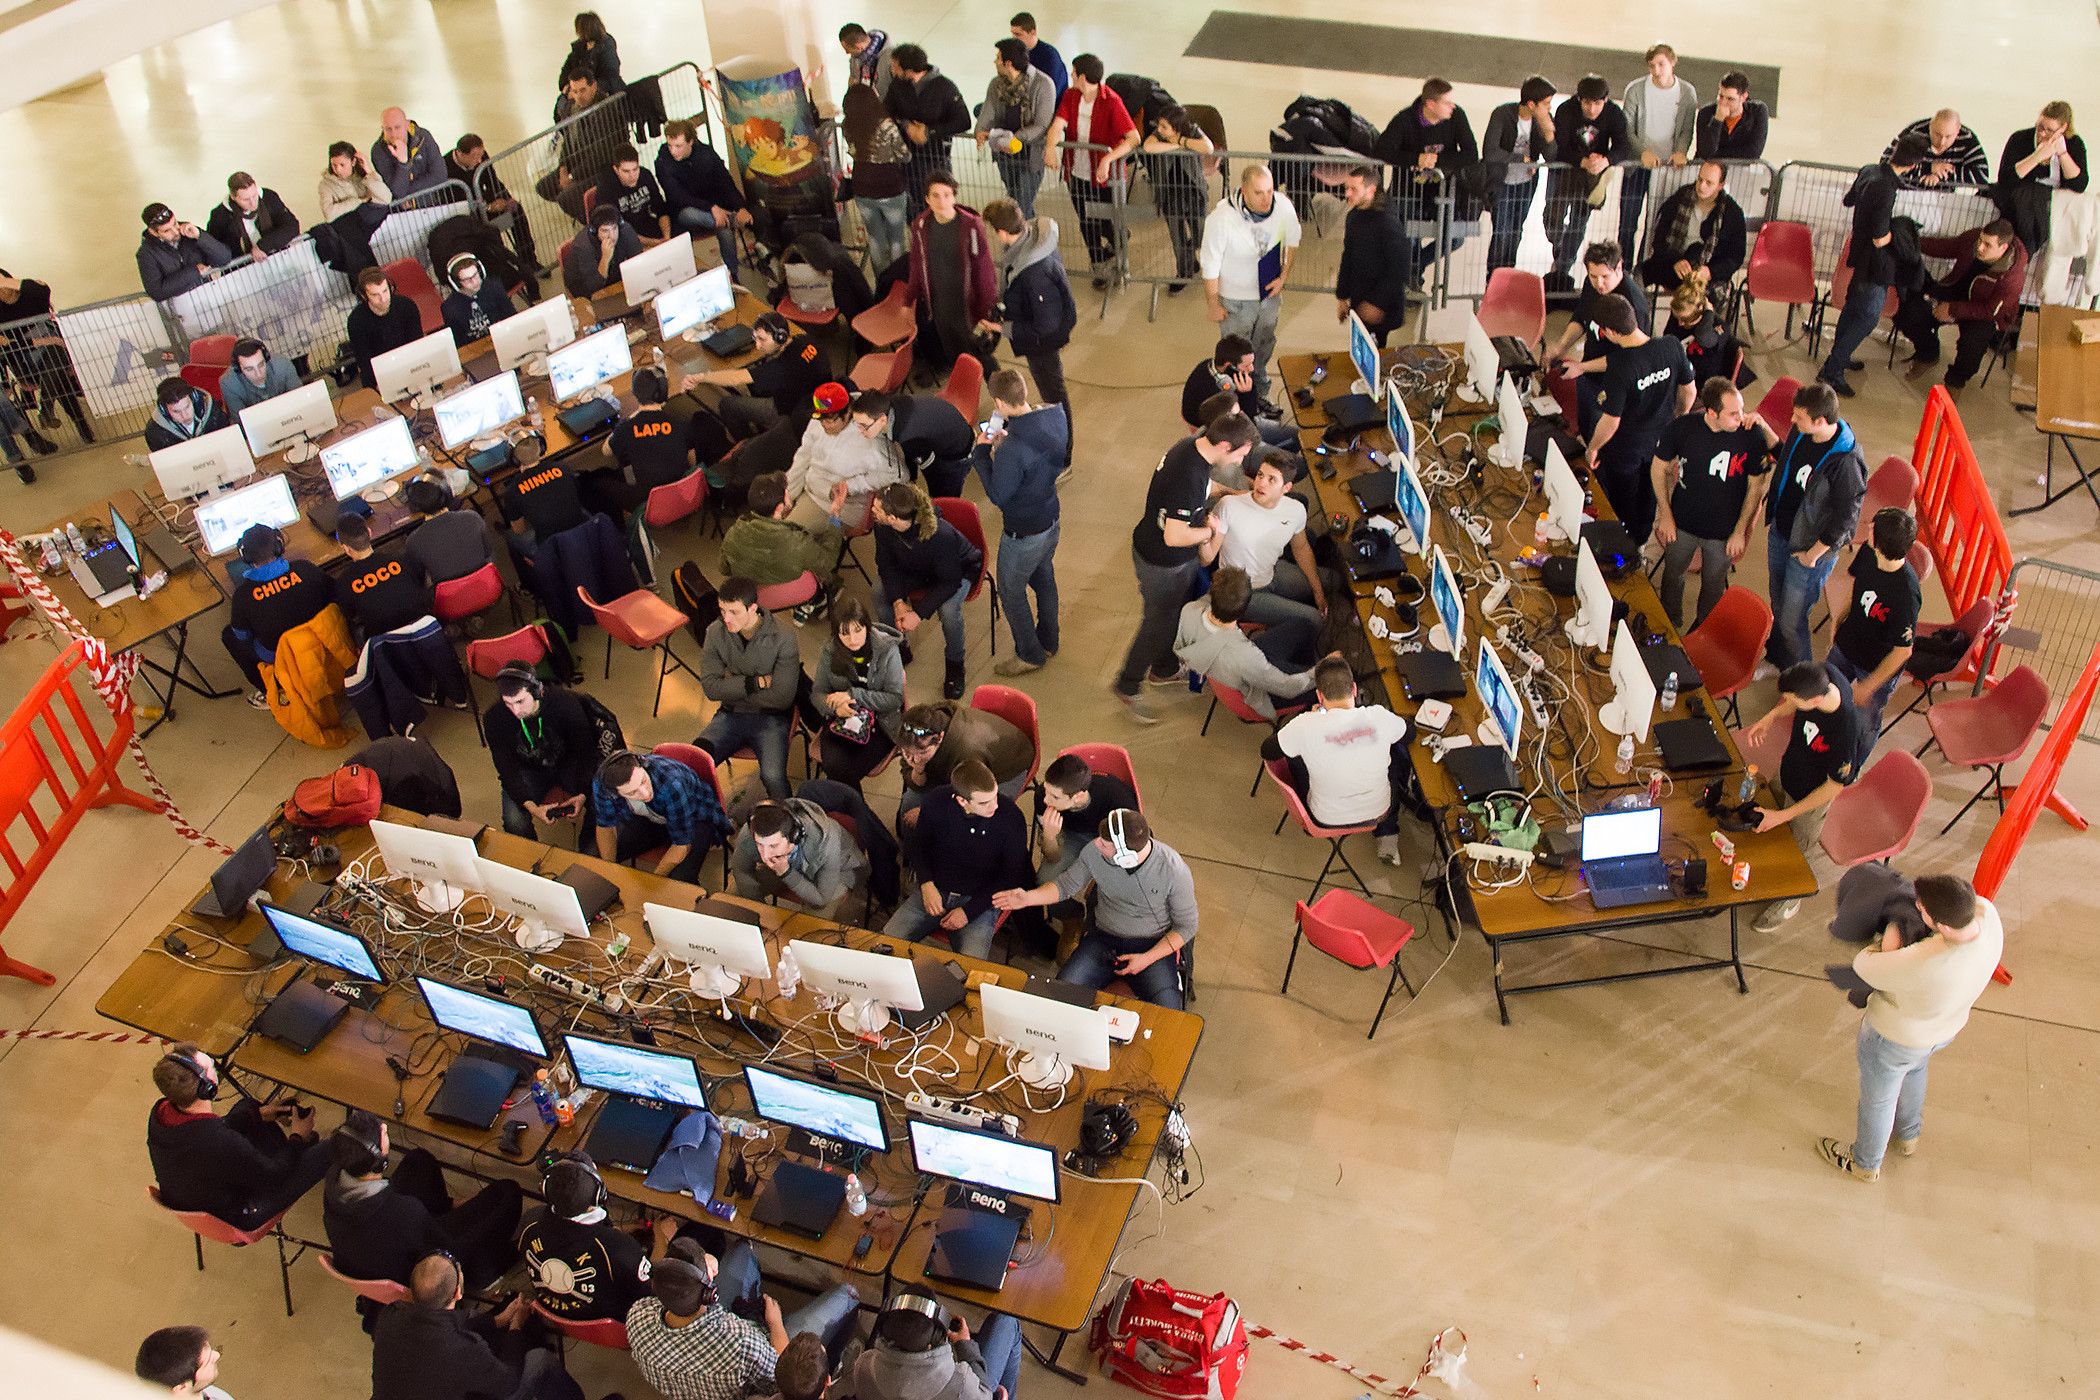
452	269
207	1089
364	1132
796	831
1105	1129
1124	857
922	1305
459	1276
575	1162
710	1293
249	345
524	676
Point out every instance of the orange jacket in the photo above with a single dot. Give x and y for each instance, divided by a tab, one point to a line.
305	683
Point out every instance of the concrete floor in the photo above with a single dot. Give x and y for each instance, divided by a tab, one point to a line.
1618	1195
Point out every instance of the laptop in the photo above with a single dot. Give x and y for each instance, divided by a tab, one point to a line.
727	342
1431	675
1070	993
594	892
106	567
1690	745
941	988
1622	858
630	1133
1664	658
801	1199
301	1015
1479	769
973	1246
238	877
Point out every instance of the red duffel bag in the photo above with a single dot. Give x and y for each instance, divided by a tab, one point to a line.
1171	1343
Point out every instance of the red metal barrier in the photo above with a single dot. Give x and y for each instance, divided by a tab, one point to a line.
54	767
1957	519
2036	789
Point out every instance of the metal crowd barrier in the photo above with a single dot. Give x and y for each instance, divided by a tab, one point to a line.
2054	631
1813	193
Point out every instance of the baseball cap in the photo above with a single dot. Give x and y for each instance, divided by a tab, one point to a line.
831	399
156	214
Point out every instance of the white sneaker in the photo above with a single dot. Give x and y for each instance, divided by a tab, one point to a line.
1775	915
1389	849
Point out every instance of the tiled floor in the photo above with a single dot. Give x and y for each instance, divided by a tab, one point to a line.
1617	1195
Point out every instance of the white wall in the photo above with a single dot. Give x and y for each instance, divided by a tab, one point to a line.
77	39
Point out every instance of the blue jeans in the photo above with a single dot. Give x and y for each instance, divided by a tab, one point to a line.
830	1315
1025	563
692	220
1093	964
950	614
1869	713
1891	1094
1000	1342
885	220
1284	608
913	924
1864	304
766	734
1794	588
1023	176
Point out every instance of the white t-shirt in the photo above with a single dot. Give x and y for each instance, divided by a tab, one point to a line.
1083	161
1346	754
1255	536
1520	150
1661	105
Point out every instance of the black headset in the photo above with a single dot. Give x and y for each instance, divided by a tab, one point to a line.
572	1162
207	1089
524	675
249	345
710	1292
796	831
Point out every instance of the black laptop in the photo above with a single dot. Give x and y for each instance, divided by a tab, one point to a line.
1431	675
301	1015
631	1133
474	1091
1479	769
801	1199
238	877
1690	745
1056	989
941	988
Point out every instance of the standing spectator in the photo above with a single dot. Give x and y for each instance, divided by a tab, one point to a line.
1519	138
1979	297
859	685
1036	297
475	302
1711	470
865	63
881	163
1812	511
464	163
750	666
12	423
255	376
596	50
1249	242
1041	54
593	126
793	848
2038	161
641	803
923	567
1091	115
1734	125
1018	106
451	541
928	108
252	222
1165	550
1647	383
34	353
931	439
543	741
1144	910
952	283
406	158
354	203
179	414
698	191
1661	112
1019	461
1920	1001
245	1168
1878	632
183	1360
1174	153
1953	155
595	255
1872	200
1821	760
1348	759
175	256
635	193
381	321
1604	275
427	1348
1700	225
969	843
1430	144
1589	133
836	471
1377	264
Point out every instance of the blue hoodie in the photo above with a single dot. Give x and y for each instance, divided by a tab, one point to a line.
1820	488
1021	477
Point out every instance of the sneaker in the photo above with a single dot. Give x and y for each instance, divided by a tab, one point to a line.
1179	676
1136	704
1015	666
1175	289
461	704
258	701
1765	671
806	613
1855	364
1907	1147
1833	1152
1775	915
26	472
1389	849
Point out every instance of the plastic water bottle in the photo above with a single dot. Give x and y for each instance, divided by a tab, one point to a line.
543	1099
787	973
1669	695
856	1198
1624	763
532	412
1748	790
74	538
656	357
741	1128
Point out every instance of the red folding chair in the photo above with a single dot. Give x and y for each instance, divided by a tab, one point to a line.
969	524
203	1226
382	1291
670	503
1726	646
814	320
965	386
1017	708
777	597
1840	288
645	622
204	377
1236	705
1975	624
1354	931
457	599
603	1332
1112	759
1514	304
1875	818
1776	408
884	369
1893	483
215	351
411	281
1782	268
1279	773
1989	730
890	321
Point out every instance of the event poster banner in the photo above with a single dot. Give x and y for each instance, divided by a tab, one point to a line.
772	129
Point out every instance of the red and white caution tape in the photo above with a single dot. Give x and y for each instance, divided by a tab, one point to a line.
112	675
93	1037
1440	1359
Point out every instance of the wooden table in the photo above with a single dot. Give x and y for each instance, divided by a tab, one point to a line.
2067	400
1054	1288
1548	904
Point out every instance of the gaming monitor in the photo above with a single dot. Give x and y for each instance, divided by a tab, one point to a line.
1483	363
482	409
224	520
1449	634
319	941
823	1110
1412	502
720	951
1505	711
1633	702
1054	1037
1563	494
635	1072
657	269
417	367
370	459
548	325
991	1161
1400	428
305	412
1591	625
442	865
191	468
869	983
1511	424
547	911
1363	353
484	1018
696	302
589	362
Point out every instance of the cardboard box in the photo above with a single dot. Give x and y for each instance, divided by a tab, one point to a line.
2086	330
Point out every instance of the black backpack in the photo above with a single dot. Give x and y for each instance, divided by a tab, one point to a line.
696	598
605	723
1144	98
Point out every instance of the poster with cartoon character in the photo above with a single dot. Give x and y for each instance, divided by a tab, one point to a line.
772	129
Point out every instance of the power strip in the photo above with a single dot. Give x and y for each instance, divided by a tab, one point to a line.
575	987
1503	855
1494	597
961	1115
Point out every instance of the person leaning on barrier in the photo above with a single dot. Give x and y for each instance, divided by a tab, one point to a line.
928	108
406	156
468	163
1430	144
2038	161
1661	112
1019	104
1091	114
636	194
1953	155
381	321
175	256
354	203
585	146
1519	136
865	61
1590	135
252	221
596	50
35	354
1734	125
1173	155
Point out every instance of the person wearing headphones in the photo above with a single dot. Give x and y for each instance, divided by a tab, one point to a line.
255	376
644	802
381	321
921	1353
793	848
583	1267
690	1346
543	742
1144	909
783	380
475	302
379	1227
427	1347
246	1167
272	596
181	1360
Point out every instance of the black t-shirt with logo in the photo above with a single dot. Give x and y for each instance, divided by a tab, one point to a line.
583	1272
1714	468
642	207
381	593
267	609
1105	792
790	378
1640	390
1822	745
1883	614
544	496
653	449
1593	341
1180	490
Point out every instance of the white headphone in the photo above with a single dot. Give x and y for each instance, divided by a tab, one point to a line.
1123	857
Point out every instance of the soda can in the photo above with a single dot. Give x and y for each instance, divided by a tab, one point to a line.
1740	876
1725	846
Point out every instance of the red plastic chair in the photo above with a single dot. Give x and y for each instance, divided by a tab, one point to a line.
1279	773
1353	931
1765	752
884	369
1875	818
1989	730
1236	705
1563	392
889	322
378	1290
527	646
813	319
965	386
1017	708
205	377
969	524
1776	408
1893	483
463	597
590	202
215	351
775	597
644	622
1725	648
203	1226
1514	304
703	765
1112	759
604	1332
1782	268
561	254
673	502
411	281
1975	624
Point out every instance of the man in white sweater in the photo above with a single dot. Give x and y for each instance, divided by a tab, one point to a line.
832	455
1921	999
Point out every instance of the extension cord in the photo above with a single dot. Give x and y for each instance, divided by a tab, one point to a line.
1475	528
575	987
1499	855
1494	599
961	1115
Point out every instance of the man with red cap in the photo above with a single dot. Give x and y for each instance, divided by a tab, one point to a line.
835	469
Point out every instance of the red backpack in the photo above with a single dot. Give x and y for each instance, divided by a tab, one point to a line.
347	797
1170	1343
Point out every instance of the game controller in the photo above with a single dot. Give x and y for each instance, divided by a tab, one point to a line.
1729	816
